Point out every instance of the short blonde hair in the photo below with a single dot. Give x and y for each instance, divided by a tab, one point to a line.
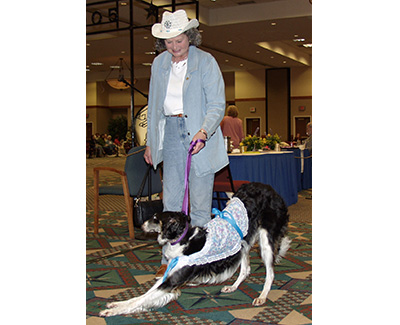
233	111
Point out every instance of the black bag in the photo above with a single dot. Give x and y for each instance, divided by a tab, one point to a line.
144	210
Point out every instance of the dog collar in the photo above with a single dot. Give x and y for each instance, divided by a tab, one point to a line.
183	235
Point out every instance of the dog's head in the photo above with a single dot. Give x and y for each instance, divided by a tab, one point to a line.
169	225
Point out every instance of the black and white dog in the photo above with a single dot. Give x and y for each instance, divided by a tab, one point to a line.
267	222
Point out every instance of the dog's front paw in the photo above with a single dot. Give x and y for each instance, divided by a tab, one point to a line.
228	289
259	301
113	309
108	312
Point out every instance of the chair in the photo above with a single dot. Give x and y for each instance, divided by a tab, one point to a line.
223	182
131	177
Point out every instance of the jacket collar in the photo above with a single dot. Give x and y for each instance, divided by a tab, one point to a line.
193	60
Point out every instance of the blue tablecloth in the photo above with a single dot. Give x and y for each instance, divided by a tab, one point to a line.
276	169
306	180
304	173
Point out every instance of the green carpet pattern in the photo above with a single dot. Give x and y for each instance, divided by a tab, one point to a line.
119	268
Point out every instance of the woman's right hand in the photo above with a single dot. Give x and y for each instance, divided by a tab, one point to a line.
147	156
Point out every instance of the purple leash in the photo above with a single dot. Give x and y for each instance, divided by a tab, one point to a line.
185	205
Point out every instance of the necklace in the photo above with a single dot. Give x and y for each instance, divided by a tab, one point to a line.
180	64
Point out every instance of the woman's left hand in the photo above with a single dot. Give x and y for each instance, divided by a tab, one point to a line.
199	145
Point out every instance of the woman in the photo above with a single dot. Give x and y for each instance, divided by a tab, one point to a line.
186	103
232	126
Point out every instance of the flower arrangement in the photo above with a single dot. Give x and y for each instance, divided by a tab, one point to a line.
267	142
272	140
252	143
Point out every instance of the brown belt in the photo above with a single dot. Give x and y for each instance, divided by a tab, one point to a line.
177	115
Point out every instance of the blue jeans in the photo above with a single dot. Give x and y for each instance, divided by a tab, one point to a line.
175	149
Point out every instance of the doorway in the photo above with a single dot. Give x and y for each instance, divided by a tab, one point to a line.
89	130
300	126
251	126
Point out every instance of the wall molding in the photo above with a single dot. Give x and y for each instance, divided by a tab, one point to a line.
263	99
301	97
249	99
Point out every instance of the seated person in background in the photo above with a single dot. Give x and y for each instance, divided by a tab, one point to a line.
116	141
308	141
109	147
99	145
232	126
92	146
298	139
119	145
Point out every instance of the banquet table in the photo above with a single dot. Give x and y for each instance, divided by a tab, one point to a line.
277	169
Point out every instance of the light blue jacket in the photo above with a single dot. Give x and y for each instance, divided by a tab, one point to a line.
203	107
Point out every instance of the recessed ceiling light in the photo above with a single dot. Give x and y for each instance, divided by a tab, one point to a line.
87	44
273	24
123	3
145	37
147	64
284	62
96	63
229	42
123	52
258	52
226	60
298	40
150	53
307	45
241	64
114	67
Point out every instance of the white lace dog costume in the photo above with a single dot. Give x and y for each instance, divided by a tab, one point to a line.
224	237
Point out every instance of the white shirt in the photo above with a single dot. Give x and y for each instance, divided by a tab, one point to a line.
173	103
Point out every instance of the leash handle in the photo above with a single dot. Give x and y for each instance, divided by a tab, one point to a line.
185	204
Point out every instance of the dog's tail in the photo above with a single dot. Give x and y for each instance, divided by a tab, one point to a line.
284	247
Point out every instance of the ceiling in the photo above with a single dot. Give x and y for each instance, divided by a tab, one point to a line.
240	34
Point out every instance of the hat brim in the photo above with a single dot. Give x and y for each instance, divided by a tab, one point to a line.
158	31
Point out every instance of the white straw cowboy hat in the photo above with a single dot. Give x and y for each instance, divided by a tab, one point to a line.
173	24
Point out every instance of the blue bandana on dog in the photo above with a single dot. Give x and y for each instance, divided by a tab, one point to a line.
224	236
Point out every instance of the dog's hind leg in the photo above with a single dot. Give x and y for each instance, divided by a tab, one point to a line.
267	256
244	272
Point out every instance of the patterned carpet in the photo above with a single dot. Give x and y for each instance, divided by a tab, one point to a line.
119	268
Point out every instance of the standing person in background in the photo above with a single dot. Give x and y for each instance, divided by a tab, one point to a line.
186	103
232	126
